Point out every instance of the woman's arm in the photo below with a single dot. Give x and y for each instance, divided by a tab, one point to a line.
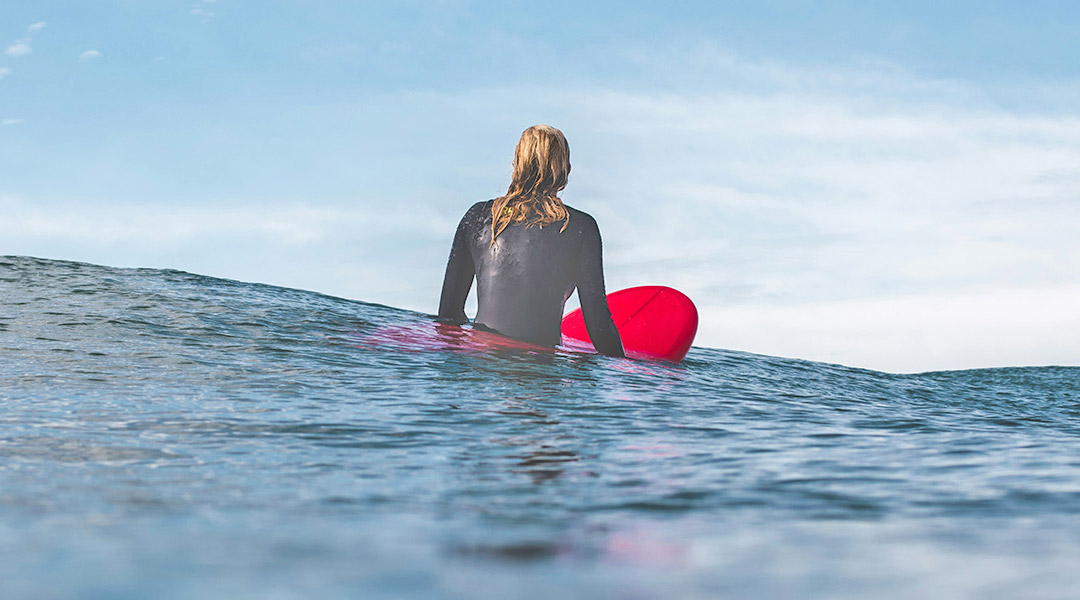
590	284
459	275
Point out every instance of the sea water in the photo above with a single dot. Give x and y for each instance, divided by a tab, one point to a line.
169	435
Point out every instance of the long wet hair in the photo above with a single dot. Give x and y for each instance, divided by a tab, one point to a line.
541	170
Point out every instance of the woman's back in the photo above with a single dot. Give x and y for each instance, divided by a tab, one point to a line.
528	251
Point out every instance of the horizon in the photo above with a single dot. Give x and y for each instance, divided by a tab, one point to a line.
884	187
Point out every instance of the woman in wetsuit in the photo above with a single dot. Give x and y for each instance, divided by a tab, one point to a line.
528	251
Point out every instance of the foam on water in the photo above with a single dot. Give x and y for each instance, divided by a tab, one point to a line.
170	435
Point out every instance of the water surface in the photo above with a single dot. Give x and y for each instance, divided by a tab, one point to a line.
169	435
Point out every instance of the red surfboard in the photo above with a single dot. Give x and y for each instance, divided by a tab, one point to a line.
654	322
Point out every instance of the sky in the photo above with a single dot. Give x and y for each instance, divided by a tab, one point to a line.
886	185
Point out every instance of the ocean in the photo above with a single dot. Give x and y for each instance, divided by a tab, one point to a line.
170	435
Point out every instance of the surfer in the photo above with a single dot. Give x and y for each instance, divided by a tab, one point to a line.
528	251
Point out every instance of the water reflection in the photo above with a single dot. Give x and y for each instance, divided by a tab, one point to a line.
543	457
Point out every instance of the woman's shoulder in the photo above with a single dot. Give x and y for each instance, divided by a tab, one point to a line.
478	211
480	206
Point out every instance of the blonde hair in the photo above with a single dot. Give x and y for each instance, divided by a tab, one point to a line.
541	170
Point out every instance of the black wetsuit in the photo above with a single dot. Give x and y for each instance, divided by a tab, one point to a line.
524	279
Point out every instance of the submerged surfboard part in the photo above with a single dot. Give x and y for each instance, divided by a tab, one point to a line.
655	323
443	337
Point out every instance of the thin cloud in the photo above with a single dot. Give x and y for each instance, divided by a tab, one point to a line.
150	224
11	121
947	330
89	55
19	48
4	71
199	11
37	26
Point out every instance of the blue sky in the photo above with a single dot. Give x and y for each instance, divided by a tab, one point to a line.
888	185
